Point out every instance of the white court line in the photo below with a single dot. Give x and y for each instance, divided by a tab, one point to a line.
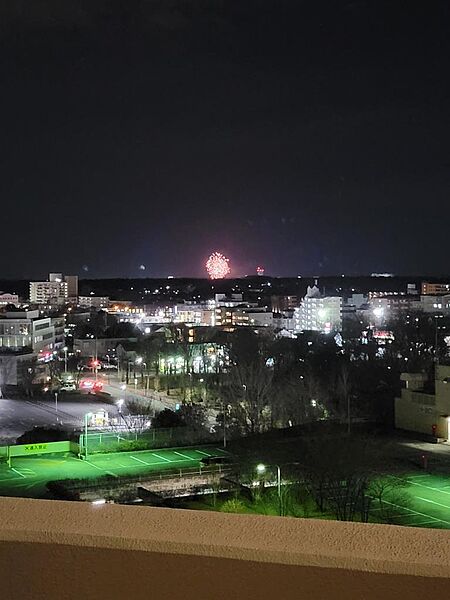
183	455
92	465
141	461
432	502
201	452
162	457
417	512
421	523
18	472
429	488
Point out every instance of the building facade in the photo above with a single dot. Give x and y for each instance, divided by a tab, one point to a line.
21	330
424	408
8	299
93	301
435	288
318	313
48	292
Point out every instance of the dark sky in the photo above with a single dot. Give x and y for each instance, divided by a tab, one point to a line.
310	137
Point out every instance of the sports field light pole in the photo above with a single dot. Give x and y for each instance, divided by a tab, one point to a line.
86	417
65	359
262	469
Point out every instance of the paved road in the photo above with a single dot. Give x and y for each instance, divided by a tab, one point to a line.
20	415
160	401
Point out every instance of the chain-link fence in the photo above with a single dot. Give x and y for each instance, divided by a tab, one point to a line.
124	440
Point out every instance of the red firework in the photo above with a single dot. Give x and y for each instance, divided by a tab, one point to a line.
217	266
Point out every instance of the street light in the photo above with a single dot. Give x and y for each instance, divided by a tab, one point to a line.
123	387
120	404
261	469
86	417
65	359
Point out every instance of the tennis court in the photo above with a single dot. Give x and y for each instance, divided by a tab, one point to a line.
28	475
426	503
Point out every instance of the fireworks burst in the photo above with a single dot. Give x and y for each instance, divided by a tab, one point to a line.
217	266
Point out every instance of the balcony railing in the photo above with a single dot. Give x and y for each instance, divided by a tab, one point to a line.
52	550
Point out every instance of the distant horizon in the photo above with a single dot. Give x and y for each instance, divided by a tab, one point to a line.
238	277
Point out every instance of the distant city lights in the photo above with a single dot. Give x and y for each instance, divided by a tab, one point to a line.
260	270
217	266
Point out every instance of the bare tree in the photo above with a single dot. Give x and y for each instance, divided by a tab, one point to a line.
137	418
249	393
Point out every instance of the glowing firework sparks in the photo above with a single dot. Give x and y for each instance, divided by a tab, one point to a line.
217	266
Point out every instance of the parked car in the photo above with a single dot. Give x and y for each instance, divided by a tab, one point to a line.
67	387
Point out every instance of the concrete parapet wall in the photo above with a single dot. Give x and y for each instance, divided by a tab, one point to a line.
53	550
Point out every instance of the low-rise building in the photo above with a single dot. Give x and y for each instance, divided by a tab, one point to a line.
435	288
435	304
8	299
230	316
93	301
194	314
424	407
26	329
87	347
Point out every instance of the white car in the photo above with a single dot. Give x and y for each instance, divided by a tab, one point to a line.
67	387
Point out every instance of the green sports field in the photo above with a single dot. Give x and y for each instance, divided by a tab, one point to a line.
426	503
28	476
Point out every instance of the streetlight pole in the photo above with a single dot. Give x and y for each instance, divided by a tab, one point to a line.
86	417
224	427
65	359
56	402
262	469
279	488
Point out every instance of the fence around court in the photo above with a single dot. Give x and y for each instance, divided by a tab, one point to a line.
114	441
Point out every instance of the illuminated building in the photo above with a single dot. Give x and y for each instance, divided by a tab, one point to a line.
230	316
193	314
318	313
24	329
422	407
93	301
8	299
281	304
435	288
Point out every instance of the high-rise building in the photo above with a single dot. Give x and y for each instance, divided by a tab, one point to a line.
318	313
48	292
72	285
57	290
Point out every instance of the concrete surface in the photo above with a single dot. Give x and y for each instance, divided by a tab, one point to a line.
53	550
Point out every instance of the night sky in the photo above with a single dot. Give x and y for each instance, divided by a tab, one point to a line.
309	137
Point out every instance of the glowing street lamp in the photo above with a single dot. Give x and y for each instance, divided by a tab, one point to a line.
261	469
65	359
